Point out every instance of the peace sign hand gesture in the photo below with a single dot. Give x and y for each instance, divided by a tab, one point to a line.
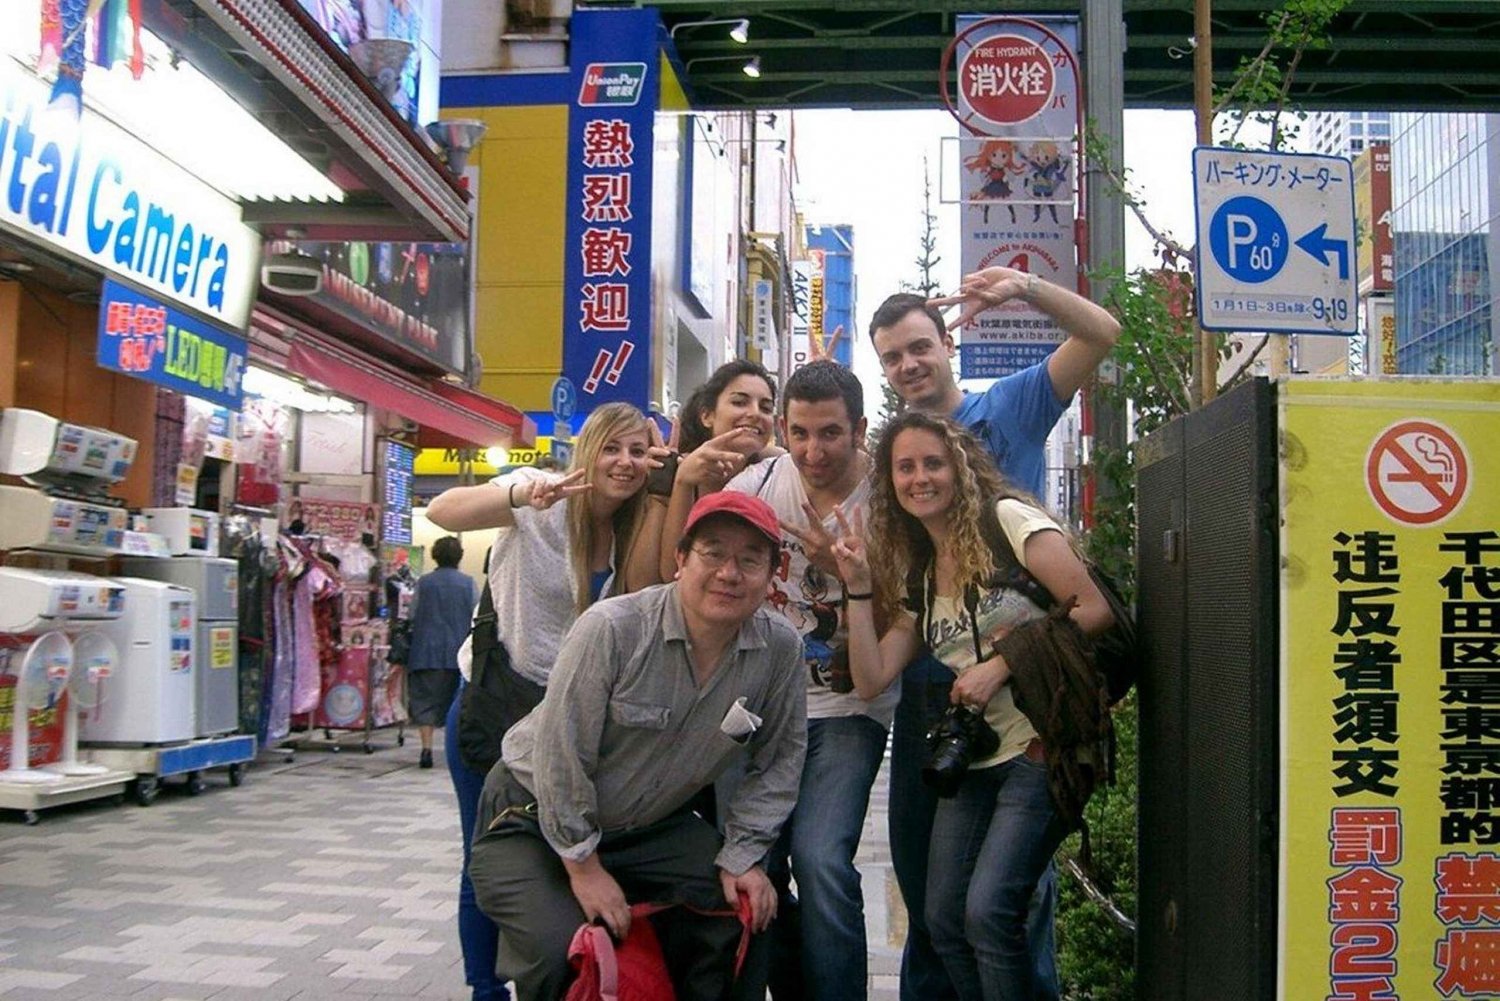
662	460
713	463
850	552
816	540
982	290
549	490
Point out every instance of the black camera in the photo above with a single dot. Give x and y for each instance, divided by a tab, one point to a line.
959	739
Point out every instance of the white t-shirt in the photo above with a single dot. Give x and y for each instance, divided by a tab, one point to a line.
812	599
950	634
531	583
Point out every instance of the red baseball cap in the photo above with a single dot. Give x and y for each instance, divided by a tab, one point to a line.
752	510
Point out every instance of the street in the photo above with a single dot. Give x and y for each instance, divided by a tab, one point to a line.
334	875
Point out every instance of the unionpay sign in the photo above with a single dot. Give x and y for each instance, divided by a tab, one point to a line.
1275	241
607	268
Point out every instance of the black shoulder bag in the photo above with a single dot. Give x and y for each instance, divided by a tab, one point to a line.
496	697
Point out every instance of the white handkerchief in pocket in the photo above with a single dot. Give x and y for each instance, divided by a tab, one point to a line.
739	722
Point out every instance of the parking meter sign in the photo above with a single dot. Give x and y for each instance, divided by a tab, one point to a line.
1275	242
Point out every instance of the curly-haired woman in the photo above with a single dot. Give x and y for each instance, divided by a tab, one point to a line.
934	487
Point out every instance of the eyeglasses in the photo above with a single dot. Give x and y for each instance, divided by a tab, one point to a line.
749	564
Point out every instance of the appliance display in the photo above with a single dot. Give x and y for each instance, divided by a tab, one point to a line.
215	582
188	531
33	600
34	444
94	659
38	668
152	695
36	520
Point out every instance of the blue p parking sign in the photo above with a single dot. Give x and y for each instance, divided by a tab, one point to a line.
1248	240
1275	239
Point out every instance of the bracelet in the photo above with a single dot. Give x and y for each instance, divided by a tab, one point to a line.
512	496
1029	294
865	596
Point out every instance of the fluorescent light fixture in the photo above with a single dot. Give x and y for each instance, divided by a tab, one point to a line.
740	32
287	393
184	115
750	68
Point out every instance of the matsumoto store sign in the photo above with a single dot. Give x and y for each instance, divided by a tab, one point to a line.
90	189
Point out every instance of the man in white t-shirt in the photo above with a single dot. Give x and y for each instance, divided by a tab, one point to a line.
822	423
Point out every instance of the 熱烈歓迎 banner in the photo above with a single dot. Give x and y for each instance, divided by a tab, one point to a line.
607	246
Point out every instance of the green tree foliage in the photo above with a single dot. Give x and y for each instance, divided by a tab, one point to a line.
1154	358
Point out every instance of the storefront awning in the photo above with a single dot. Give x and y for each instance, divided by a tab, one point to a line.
353	377
482	406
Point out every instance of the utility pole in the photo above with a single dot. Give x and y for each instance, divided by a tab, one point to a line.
1206	386
1104	61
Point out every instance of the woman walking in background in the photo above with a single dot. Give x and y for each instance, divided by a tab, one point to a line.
562	543
440	617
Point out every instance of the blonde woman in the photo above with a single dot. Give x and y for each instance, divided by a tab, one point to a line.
563	542
934	486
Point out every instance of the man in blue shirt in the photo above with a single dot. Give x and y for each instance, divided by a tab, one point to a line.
1013	418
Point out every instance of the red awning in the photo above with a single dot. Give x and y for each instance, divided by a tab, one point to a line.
351	376
482	406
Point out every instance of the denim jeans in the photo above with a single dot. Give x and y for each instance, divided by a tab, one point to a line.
822	836
477	934
990	845
924	697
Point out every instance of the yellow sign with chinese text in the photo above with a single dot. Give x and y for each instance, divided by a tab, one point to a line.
1390	689
445	461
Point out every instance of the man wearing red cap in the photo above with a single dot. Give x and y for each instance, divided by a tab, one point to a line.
652	695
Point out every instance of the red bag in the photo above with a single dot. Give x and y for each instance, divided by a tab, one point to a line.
634	970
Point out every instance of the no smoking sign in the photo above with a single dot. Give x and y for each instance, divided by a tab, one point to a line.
1417	472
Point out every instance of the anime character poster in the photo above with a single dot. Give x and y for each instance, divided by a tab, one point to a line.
1017	105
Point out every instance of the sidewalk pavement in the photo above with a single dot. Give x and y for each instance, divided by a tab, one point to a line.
329	876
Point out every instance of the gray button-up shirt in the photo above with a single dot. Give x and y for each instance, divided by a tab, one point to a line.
625	736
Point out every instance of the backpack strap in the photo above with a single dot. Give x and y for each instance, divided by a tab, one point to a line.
1009	572
770	468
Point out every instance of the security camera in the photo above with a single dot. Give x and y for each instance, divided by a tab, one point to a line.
292	273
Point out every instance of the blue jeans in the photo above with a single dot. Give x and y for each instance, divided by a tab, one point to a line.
924	697
822	836
477	934
990	845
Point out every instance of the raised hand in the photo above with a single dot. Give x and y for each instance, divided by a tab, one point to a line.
828	346
713	463
547	491
816	540
983	290
851	553
661	460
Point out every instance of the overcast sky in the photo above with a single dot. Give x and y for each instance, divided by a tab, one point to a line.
865	169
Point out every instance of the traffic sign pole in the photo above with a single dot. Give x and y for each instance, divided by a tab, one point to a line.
1206	386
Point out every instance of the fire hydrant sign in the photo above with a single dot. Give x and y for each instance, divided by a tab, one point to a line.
1390	690
1275	242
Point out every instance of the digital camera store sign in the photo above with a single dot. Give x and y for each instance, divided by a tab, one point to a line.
616	85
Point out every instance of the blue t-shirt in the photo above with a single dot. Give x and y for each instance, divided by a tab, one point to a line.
1013	418
440	620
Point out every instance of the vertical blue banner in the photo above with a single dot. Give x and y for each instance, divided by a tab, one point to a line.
607	269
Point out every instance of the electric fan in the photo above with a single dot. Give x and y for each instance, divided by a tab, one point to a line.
41	675
94	660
